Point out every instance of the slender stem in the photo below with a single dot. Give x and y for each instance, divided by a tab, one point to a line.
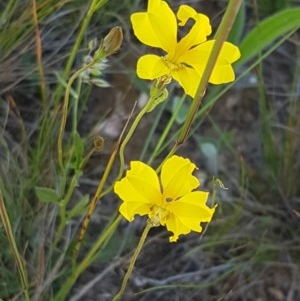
95	5
75	109
132	262
38	46
66	199
14	248
220	38
64	119
93	203
129	134
98	192
62	207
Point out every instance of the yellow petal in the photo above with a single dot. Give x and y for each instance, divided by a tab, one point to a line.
138	189
130	209
188	79
151	66
176	177
198	32
173	224
157	27
223	71
191	210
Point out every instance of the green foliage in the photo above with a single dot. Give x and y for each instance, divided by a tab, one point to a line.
46	195
267	31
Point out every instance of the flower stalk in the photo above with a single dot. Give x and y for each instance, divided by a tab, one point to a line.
133	261
221	36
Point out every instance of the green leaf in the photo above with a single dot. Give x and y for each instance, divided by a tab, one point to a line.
267	32
46	195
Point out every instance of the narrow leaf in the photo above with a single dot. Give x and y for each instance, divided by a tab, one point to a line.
268	31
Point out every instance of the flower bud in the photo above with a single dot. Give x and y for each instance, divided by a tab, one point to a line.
113	40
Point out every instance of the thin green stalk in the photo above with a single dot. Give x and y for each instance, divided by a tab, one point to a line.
166	131
75	109
15	251
158	94
88	259
220	38
94	6
38	46
63	205
64	118
129	134
218	94
133	261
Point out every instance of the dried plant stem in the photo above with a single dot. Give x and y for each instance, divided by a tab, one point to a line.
13	245
98	192
38	46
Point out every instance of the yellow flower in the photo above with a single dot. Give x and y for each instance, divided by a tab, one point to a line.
169	201
185	59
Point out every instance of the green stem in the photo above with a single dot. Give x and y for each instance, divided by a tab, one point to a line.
129	134
132	262
75	109
95	5
13	245
220	38
64	118
62	207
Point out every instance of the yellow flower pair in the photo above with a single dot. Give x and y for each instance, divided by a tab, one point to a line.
171	200
184	60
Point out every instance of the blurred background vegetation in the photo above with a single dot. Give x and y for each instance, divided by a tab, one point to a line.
246	134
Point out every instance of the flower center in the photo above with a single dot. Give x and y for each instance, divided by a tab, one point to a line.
170	65
158	216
